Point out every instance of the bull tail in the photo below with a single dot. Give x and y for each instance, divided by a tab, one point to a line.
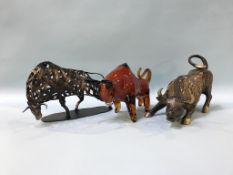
198	66
94	73
146	75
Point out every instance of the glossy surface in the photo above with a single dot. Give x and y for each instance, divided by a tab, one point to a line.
125	88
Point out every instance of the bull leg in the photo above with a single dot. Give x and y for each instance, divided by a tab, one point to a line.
146	101
186	120
131	108
117	105
156	108
140	101
81	98
62	102
208	95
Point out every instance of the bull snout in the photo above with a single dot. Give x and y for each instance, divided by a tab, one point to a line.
171	119
38	117
37	114
171	116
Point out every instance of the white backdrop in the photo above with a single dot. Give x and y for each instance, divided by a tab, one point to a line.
97	36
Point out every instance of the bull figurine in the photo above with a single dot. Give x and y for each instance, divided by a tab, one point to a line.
122	85
184	92
49	81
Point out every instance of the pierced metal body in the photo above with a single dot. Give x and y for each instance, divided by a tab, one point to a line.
49	81
183	93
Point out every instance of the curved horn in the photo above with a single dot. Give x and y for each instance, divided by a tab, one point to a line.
26	109
46	106
160	96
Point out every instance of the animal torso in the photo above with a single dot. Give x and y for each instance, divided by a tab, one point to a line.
47	81
188	88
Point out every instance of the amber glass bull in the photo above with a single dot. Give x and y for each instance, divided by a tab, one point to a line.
124	86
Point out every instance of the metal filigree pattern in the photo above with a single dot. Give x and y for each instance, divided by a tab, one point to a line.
48	81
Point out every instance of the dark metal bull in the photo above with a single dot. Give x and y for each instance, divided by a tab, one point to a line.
48	81
184	92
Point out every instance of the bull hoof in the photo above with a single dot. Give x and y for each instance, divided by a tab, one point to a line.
186	121
117	110
147	114
133	118
205	109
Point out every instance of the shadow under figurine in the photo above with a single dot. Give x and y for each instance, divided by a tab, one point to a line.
49	81
184	92
122	85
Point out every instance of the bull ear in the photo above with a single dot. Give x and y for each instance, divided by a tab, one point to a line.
189	101
108	83
46	106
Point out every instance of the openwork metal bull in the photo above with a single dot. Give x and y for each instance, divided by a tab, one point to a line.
48	81
184	92
122	85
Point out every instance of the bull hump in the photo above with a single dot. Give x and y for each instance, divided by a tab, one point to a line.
125	65
119	72
186	89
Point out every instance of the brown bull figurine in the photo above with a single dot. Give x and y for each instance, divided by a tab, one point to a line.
184	92
124	86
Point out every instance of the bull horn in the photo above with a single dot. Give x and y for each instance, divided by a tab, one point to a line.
25	109
159	93
160	96
46	106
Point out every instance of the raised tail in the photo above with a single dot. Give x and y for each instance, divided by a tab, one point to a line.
94	73
198	66
146	75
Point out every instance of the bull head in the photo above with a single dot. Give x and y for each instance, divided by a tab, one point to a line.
106	91
35	109
174	106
